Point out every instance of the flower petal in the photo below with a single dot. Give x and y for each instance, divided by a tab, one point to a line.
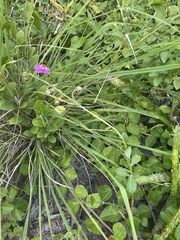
41	69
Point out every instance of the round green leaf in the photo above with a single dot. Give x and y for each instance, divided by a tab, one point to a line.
154	196
110	214
133	140
65	160
93	200
42	133
71	174
119	231
76	42
133	128
134	117
40	108
3	192
81	191
144	222
7	208
143	211
135	159
105	192
20	37
107	150
156	81
63	191
34	129
37	122
150	141
18	231
99	144
18	214
23	105
21	204
165	109
51	139
74	205
52	127
12	193
60	109
28	133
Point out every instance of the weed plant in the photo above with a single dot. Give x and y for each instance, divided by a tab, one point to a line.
109	104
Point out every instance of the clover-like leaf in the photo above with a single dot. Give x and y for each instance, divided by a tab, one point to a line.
93	200
110	213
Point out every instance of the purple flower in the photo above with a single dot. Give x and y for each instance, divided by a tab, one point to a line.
41	69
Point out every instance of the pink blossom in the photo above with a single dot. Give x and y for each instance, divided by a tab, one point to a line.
41	69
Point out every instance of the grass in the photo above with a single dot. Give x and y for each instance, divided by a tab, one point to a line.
109	99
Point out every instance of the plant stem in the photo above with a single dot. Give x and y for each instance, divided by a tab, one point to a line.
170	227
175	161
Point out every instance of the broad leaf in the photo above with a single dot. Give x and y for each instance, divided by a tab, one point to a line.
93	200
16	120
81	191
40	108
6	105
74	205
135	159
71	174
92	226
119	231
110	214
7	208
105	192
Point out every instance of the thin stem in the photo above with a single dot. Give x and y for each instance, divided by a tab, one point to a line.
175	161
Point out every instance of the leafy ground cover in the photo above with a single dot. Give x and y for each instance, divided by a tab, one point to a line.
90	114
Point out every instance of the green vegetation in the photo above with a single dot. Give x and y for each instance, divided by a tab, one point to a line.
97	137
